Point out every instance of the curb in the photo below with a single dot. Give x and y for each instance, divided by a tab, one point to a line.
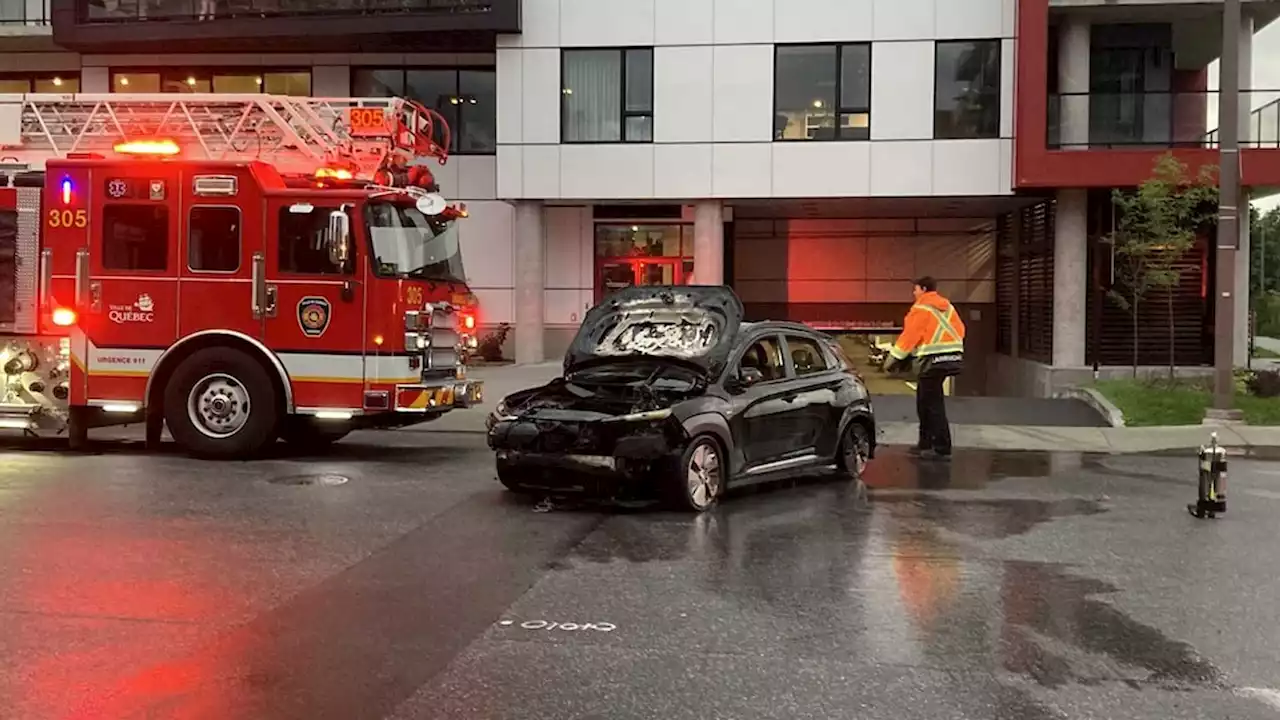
1094	399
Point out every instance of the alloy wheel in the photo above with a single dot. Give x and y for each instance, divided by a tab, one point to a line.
703	475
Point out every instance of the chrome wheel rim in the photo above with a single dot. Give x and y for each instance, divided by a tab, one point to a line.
857	451
703	475
218	405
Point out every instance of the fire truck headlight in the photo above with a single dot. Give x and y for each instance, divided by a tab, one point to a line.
413	342
413	321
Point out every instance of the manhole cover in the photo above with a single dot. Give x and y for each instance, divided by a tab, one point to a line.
327	480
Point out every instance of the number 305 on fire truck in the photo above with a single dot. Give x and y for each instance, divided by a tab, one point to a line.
171	279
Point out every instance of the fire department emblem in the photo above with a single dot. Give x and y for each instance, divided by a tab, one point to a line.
313	315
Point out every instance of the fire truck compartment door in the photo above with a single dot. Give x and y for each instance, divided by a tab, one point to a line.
318	325
221	241
134	263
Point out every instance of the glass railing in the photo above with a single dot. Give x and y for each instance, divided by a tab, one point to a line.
24	12
1102	120
144	10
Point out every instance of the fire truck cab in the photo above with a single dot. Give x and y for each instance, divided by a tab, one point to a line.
226	300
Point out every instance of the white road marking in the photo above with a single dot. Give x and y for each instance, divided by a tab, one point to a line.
555	625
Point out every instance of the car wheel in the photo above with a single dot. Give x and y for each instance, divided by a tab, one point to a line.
855	449
220	403
698	481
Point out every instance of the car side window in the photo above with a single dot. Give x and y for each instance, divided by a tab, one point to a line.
765	355
806	355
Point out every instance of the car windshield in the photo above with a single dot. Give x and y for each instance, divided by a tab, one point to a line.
657	374
408	244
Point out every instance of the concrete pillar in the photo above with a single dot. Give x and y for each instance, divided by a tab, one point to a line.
1073	77
530	267
1240	351
95	80
1070	277
331	81
708	242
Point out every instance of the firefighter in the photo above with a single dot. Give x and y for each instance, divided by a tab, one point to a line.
933	334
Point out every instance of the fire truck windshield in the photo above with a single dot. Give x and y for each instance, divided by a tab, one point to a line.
408	244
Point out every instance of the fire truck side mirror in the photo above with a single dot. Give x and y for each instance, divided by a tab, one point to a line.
338	237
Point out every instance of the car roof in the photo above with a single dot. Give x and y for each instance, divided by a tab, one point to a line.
783	325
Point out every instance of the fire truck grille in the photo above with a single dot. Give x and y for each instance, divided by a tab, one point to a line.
443	351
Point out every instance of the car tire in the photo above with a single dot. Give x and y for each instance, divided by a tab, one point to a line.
697	481
221	404
855	449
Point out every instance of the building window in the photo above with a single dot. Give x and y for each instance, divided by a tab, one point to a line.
822	92
296	83
302	250
40	83
465	97
967	90
607	96
213	239
135	237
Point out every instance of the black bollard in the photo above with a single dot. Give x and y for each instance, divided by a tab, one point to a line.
1212	496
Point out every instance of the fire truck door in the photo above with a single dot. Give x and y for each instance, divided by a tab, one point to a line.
221	233
318	323
132	312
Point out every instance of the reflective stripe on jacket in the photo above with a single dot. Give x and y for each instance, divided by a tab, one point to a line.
932	327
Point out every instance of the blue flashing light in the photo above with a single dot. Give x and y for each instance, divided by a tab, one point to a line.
66	191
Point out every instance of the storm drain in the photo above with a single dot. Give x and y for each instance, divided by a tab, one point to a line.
322	480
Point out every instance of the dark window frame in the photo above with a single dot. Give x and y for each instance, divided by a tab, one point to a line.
839	108
455	133
163	271
999	92
207	73
624	114
817	346
239	238
347	270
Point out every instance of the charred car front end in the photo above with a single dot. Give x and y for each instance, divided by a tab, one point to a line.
547	439
639	372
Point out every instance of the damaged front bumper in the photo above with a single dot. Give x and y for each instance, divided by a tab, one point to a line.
607	456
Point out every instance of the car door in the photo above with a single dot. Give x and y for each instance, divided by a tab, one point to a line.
815	406
317	326
761	424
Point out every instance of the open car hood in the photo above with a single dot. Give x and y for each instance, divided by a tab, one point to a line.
695	324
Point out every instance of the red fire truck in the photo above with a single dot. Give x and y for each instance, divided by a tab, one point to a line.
236	268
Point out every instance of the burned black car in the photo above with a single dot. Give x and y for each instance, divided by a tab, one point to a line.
667	391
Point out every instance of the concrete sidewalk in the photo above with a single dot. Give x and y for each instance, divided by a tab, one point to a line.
503	380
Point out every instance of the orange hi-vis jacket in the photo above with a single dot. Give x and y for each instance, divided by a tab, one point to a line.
932	327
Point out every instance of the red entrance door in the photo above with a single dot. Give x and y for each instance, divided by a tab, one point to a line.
613	274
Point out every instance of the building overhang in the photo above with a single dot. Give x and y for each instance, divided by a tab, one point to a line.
464	25
1037	166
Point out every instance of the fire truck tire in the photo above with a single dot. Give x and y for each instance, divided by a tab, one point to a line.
221	404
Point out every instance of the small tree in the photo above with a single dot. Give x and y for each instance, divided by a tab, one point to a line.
1154	229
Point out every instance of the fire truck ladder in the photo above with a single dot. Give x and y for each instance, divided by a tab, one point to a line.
294	134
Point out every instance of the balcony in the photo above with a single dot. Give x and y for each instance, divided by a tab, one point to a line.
288	25
17	15
1155	120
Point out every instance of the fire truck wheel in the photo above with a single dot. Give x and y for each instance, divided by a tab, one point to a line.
221	403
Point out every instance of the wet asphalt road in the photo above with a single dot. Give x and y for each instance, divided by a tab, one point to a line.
1020	586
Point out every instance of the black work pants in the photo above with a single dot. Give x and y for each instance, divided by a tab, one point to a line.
931	409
